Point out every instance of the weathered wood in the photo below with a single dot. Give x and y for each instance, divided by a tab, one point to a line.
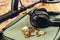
5	6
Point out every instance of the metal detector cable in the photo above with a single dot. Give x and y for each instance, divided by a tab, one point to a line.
21	3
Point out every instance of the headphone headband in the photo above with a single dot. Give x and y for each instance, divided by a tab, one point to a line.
50	1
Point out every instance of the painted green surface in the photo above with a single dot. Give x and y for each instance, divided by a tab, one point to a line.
13	32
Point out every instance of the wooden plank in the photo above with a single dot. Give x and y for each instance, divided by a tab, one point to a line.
5	6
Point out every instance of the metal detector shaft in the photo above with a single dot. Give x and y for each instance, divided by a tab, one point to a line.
14	13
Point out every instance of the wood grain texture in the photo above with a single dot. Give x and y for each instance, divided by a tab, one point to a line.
47	6
5	6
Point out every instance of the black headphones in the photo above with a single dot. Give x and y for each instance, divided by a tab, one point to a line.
41	19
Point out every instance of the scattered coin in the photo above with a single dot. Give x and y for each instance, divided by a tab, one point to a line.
40	33
31	31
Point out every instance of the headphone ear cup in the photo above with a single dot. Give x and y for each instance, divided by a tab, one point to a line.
39	19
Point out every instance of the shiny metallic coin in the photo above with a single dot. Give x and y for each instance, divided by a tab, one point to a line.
40	33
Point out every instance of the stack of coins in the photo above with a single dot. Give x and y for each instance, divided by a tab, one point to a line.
26	32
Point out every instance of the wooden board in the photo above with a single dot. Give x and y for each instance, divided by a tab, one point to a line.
5	6
47	6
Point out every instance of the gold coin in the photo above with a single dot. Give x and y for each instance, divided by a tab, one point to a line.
27	34
25	29
41	32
